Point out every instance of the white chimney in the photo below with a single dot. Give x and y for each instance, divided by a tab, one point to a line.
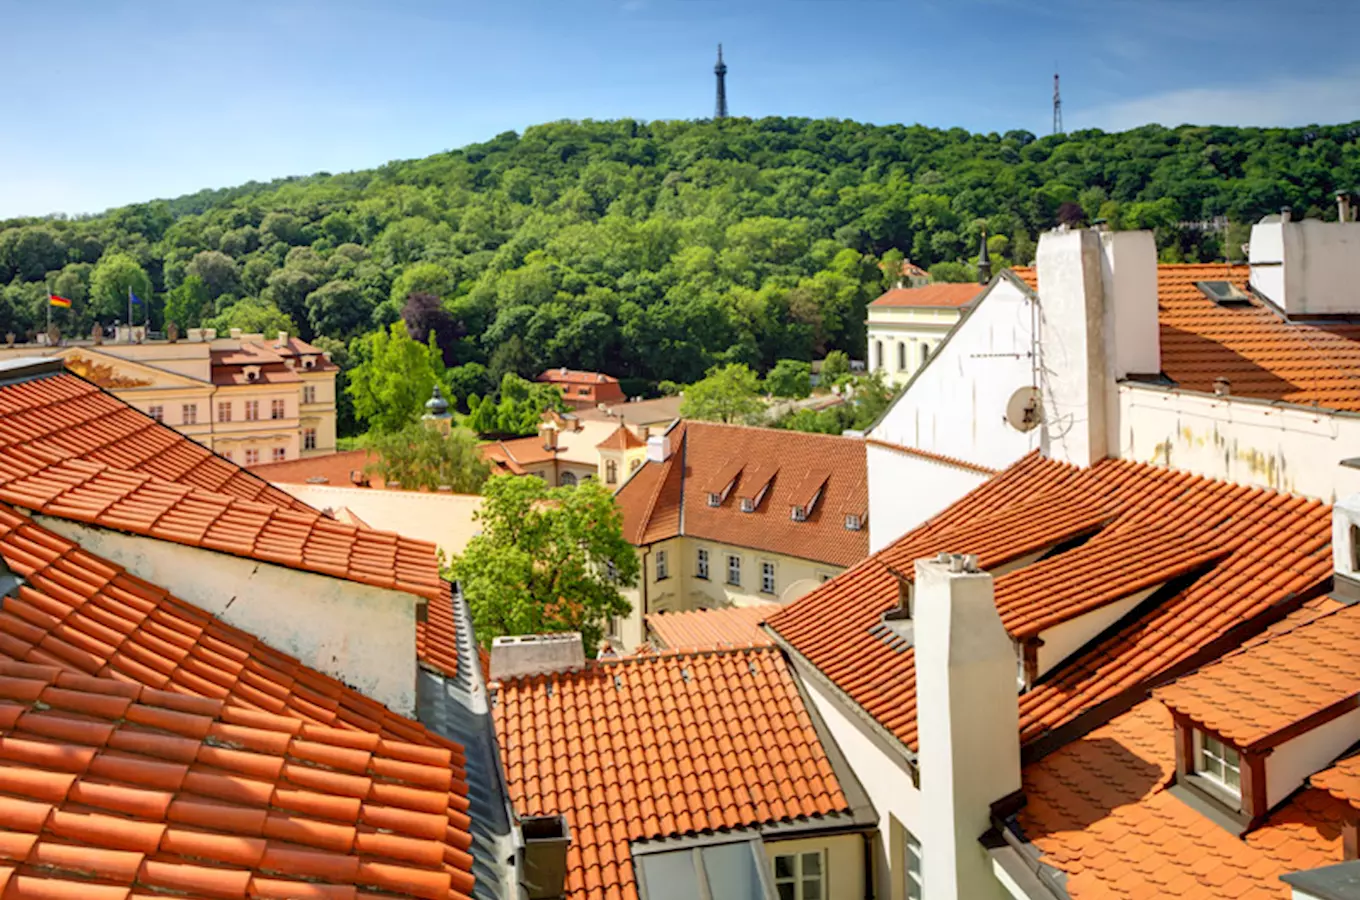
283	339
658	448
535	654
1307	268
1346	537
235	334
968	720
1129	282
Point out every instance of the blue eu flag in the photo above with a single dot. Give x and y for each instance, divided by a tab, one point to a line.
133	298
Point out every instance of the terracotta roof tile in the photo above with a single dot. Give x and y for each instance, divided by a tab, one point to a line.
728	743
623	438
335	468
1342	781
703	629
653	497
1260	353
1037	505
1098	810
937	294
290	782
1251	695
933	457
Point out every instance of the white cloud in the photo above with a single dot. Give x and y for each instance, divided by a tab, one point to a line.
1288	101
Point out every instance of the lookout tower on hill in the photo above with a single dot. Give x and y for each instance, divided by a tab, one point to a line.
720	70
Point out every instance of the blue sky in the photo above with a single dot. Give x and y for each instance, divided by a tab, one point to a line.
109	102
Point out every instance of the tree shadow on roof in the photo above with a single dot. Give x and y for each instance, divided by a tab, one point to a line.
1194	361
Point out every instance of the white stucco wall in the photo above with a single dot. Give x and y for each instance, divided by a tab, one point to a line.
843	859
1061	641
1308	266
362	635
1285	448
1293	761
907	489
443	519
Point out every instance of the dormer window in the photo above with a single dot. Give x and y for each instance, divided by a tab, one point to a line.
853	522
714	499
748	505
798	514
1219	764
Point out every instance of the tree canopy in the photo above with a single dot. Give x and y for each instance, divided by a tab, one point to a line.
394	377
517	410
546	560
419	456
729	393
656	251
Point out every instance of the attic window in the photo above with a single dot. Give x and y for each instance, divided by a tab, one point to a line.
714	499
798	514
1224	293
1355	548
853	522
748	505
1219	764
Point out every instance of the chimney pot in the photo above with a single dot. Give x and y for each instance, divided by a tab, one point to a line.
535	654
1222	386
1286	214
1343	206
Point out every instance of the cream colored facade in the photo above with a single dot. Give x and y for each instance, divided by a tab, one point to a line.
174	383
670	579
842	863
444	519
901	338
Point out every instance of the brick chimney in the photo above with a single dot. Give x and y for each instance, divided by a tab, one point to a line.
968	719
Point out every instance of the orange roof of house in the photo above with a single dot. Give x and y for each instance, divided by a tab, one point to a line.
333	469
1098	810
296	347
703	629
1342	780
657	746
950	294
1262	355
140	736
1038	504
517	452
576	376
60	416
1252	695
228	366
933	457
622	439
652	500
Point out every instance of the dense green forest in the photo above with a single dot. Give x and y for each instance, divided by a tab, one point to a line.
652	251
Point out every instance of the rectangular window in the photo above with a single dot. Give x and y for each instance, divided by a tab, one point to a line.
252	410
189	412
800	876
252	457
226	454
767	577
309	393
734	570
309	439
853	523
276	409
156	412
224	410
279	454
662	569
1219	763
701	568
915	885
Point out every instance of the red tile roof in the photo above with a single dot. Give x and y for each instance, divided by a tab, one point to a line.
1250	696
622	439
662	745
576	376
1098	810
933	457
335	468
1035	505
61	417
229	366
295	349
1342	781
141	737
931	295
1260	353
735	626
652	500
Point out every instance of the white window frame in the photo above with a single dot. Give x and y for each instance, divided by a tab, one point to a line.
663	569
309	393
853	522
1214	760
189	413
767	577
734	568
252	457
224	410
278	454
156	412
701	564
913	878
278	409
798	880
252	410
309	439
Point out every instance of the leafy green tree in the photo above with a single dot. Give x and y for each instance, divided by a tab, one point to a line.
393	377
187	303
422	278
253	316
790	378
421	457
729	393
517	411
338	309
113	275
835	366
546	560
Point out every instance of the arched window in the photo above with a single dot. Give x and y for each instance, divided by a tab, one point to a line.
902	357
878	354
925	353
611	472
567	480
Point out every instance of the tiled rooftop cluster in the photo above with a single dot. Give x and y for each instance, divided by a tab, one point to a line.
735	626
661	745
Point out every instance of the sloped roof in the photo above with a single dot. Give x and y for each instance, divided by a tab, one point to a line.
622	438
941	294
59	416
1026	506
660	496
702	629
295	348
1098	810
228	366
1252	695
657	746
152	736
576	376
335	468
1342	781
1263	355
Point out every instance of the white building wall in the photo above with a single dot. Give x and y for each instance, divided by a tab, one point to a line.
362	635
909	489
1290	764
1061	641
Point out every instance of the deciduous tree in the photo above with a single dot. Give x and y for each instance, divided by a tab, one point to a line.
393	378
419	456
729	393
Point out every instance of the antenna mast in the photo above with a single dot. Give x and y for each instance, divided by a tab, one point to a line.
721	71
1057	107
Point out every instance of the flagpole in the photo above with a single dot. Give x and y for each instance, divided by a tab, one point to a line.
129	311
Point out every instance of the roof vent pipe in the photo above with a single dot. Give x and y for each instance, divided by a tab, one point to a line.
1222	386
1286	214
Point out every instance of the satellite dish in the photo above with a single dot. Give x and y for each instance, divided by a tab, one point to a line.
1024	410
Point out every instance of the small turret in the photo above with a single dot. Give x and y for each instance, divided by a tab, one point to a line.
984	264
437	411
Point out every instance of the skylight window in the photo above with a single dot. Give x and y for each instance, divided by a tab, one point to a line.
1224	293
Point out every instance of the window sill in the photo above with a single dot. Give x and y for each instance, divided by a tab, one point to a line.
734	584
702	577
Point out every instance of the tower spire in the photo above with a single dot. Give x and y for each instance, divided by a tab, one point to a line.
1057	107
720	70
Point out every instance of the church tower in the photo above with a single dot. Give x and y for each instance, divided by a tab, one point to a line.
721	71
